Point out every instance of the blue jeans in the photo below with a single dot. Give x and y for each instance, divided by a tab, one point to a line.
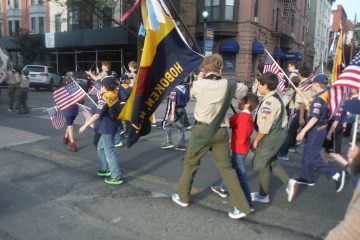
238	161
107	155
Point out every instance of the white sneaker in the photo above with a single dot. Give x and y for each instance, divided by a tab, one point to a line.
256	197
176	199
236	214
292	150
291	189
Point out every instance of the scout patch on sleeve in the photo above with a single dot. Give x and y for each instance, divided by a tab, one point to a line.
265	110
316	111
268	103
101	104
317	105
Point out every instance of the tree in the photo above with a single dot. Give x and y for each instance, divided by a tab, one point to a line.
30	46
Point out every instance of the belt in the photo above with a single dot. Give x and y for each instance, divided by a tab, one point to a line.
201	123
321	127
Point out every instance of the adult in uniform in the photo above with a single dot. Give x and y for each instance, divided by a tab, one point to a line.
22	93
314	133
271	121
213	95
13	81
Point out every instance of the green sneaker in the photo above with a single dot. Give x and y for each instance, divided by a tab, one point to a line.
119	144
105	173
116	181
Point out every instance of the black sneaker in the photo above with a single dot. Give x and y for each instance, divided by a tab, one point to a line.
180	148
219	191
304	181
340	183
168	146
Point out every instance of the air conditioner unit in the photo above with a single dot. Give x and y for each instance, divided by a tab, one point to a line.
256	19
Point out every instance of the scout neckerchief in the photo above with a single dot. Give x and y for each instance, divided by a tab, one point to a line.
208	133
110	97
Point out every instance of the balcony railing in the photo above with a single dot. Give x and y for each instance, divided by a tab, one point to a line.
37	9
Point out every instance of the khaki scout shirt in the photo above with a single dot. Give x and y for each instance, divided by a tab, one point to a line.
288	96
269	112
25	82
298	99
13	78
209	96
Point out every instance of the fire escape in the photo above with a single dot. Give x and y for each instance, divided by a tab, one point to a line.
285	21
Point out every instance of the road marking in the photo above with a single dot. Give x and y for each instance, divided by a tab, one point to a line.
13	137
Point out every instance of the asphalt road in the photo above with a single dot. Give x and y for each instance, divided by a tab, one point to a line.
48	192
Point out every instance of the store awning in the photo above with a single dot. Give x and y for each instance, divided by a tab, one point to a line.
278	53
257	47
297	56
229	46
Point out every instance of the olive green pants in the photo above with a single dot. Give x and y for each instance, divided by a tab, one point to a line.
265	157
219	146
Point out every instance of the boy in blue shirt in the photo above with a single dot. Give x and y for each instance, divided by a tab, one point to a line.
106	113
314	133
177	99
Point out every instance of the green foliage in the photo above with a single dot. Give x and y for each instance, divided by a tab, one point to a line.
31	46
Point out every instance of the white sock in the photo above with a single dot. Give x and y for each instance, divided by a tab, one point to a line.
336	176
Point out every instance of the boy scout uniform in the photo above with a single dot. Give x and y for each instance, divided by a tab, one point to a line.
22	94
13	81
315	136
271	119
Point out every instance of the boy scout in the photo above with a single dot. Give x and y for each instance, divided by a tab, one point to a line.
23	93
316	131
271	121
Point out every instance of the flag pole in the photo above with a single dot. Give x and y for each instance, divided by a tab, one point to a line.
83	106
297	90
83	90
353	142
280	69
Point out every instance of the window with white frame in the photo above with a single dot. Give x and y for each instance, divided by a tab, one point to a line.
41	25
229	10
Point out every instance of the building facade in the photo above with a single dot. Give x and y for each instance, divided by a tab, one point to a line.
318	30
80	35
244	28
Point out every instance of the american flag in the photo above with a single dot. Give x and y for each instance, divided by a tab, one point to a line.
85	111
307	83
56	117
68	95
95	89
271	66
341	89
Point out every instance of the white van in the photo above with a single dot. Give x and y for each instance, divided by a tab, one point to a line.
42	76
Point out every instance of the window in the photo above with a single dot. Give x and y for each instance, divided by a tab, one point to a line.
16	4
1	29
58	23
212	7
17	26
229	10
33	25
229	63
41	25
10	28
256	8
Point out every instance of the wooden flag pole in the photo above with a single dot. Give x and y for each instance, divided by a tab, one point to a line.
297	90
83	90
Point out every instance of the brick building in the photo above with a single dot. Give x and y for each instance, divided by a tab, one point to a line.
243	28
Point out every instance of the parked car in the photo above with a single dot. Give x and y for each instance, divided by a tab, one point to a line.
43	76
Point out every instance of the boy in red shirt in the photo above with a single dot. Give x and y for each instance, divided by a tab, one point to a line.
242	126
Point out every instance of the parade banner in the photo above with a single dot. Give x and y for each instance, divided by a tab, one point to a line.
166	59
338	58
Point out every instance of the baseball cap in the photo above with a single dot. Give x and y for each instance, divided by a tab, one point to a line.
109	81
352	106
124	77
321	78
